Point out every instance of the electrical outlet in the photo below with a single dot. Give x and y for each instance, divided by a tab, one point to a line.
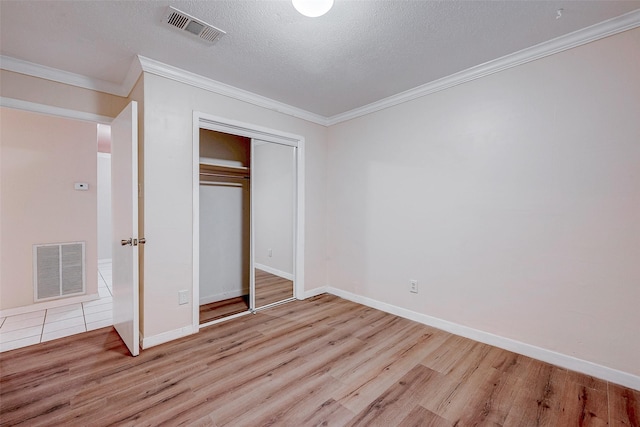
270	252
413	286
183	297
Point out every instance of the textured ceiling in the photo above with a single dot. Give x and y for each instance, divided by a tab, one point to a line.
358	53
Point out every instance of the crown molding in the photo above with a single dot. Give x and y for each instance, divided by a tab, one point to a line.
577	38
167	71
595	32
158	68
50	110
41	71
130	80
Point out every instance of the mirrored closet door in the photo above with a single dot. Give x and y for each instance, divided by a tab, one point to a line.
273	213
247	214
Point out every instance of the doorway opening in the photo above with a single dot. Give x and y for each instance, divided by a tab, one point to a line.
248	201
63	195
225	237
103	307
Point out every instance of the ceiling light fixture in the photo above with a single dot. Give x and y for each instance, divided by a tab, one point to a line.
312	8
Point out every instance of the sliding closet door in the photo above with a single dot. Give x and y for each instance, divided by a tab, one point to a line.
272	168
273	174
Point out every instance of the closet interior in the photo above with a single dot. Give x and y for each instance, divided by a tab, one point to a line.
246	224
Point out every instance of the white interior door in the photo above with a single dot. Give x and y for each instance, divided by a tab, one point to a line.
124	205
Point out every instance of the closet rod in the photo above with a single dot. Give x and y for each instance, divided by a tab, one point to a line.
223	175
221	184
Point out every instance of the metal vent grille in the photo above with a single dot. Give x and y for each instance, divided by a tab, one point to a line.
210	34
188	24
177	20
59	270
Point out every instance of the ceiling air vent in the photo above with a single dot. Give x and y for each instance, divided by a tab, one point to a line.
185	22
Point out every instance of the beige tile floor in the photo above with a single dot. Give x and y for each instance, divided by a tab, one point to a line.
45	325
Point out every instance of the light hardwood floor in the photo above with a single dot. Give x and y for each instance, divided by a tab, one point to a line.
219	309
269	289
323	361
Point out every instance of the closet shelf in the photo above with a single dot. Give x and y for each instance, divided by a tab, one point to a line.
221	162
226	170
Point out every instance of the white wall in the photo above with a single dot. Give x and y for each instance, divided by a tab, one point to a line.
514	200
273	177
168	193
104	206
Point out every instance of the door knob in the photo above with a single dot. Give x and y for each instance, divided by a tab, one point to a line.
142	241
126	242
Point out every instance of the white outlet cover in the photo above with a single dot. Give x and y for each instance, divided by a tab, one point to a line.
413	286
183	297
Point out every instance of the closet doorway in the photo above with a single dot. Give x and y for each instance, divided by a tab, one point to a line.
225	237
248	202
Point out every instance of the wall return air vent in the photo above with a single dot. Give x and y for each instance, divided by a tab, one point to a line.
58	270
196	27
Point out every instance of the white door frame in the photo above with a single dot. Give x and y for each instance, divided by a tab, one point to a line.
220	124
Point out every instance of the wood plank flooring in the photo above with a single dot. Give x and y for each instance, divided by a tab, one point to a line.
219	309
323	361
269	289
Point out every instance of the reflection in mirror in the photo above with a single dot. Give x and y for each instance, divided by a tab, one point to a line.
272	199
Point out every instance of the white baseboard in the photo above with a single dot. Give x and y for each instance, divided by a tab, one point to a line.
147	342
549	356
315	292
47	305
274	271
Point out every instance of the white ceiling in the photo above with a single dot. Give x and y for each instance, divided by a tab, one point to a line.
358	53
